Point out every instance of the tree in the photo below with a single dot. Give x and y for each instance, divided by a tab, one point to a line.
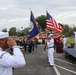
42	21
61	25
12	31
65	30
26	30
68	31
23	32
4	30
74	29
71	33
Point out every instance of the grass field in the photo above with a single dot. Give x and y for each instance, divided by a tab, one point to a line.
70	40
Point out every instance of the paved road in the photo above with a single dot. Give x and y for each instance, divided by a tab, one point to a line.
36	64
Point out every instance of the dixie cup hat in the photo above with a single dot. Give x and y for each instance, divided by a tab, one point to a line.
4	35
50	35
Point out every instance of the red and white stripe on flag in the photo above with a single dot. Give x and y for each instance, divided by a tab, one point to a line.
52	25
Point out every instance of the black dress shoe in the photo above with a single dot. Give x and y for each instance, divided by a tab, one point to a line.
51	65
48	62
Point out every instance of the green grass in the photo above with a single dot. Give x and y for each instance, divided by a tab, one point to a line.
70	40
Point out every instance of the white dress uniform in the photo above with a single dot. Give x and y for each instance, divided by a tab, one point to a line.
8	61
75	37
50	45
64	42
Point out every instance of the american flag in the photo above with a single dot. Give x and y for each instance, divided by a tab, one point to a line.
51	24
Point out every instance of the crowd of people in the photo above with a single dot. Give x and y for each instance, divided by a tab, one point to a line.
16	58
28	45
50	42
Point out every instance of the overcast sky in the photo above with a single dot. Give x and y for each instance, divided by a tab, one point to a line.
16	13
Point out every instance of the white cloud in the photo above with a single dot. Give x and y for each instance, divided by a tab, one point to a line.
14	20
3	8
16	12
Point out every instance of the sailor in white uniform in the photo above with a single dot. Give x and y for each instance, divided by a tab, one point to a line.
75	37
50	46
7	61
64	42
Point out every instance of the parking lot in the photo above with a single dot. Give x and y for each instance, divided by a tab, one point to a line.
36	64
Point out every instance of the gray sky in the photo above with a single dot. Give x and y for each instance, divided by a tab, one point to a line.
16	13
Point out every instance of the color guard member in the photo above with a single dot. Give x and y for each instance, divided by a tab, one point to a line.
50	46
8	61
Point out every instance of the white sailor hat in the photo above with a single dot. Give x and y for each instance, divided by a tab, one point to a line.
4	35
50	35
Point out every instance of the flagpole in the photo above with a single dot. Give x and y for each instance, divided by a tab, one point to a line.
46	10
34	30
46	15
30	9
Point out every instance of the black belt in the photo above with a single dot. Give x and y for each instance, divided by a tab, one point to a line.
51	47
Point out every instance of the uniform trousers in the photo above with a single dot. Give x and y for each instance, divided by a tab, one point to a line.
75	40
64	46
51	56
